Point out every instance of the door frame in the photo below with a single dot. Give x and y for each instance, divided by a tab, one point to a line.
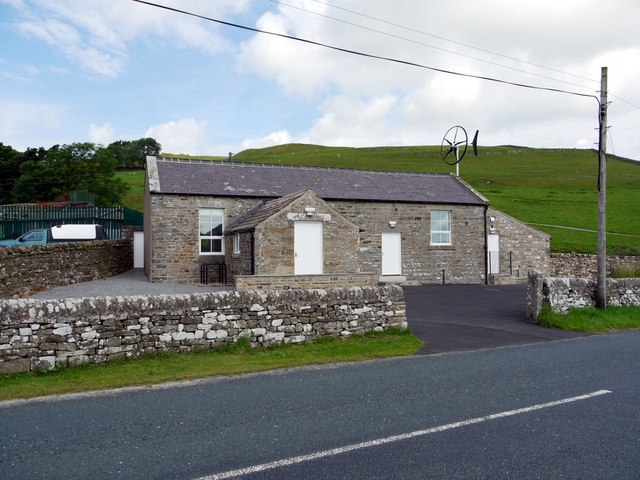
308	243
493	256
392	249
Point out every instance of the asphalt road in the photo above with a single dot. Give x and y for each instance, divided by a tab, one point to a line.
453	318
203	429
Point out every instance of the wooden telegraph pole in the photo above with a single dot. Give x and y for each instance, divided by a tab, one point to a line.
601	286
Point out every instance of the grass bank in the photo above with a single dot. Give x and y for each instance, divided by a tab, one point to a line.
234	360
593	320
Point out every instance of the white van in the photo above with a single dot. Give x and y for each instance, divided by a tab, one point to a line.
59	233
76	233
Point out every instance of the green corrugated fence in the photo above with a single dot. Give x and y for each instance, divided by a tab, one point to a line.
18	219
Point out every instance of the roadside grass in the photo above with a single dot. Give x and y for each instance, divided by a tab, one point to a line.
236	359
593	320
625	273
542	186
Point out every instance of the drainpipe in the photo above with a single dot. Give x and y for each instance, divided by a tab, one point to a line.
486	248
253	253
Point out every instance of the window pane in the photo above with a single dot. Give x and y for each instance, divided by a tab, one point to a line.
205	228
211	228
216	229
441	227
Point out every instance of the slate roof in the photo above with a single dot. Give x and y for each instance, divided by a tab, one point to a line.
260	213
197	177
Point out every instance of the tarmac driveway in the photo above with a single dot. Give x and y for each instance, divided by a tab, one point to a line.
451	318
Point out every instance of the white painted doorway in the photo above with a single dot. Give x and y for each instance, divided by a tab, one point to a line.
391	254
493	253
138	249
307	246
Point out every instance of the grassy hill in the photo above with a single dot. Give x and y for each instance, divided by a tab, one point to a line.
536	186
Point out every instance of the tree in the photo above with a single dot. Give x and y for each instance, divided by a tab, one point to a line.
10	161
132	154
47	174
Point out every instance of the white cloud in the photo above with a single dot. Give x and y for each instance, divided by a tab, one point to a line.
425	103
14	116
276	138
102	134
96	34
354	121
186	136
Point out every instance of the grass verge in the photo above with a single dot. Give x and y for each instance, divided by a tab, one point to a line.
592	319
233	360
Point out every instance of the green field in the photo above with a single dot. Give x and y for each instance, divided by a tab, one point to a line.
538	186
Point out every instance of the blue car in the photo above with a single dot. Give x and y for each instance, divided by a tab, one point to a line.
59	233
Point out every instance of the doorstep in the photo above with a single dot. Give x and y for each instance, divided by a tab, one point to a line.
392	279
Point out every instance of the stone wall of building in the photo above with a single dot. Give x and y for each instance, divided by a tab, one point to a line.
462	262
239	263
38	334
274	239
563	293
522	248
172	234
34	268
172	239
584	265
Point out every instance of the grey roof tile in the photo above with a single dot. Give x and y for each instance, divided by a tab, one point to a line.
189	177
260	213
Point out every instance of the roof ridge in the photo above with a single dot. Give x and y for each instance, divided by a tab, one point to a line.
301	167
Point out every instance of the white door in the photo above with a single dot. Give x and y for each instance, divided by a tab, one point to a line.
493	251
138	249
307	245
391	254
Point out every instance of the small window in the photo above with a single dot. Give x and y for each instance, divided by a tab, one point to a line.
35	236
440	227
236	244
211	228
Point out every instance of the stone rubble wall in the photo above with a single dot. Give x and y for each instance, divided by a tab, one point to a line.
529	248
43	334
285	282
585	265
34	268
563	293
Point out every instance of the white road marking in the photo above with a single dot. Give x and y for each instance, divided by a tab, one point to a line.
395	438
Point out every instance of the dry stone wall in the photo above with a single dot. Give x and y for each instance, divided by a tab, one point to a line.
584	265
38	334
285	282
30	269
563	293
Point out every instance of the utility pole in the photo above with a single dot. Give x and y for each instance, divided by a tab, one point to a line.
601	285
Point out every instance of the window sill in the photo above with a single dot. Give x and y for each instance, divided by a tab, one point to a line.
441	247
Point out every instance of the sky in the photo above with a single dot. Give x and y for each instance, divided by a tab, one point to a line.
106	70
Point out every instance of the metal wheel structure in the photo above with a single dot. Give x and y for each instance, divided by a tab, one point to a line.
454	145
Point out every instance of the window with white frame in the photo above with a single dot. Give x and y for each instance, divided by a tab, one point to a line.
236	244
211	228
440	227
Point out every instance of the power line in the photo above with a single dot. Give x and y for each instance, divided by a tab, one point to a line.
624	101
363	27
367	55
454	41
371	17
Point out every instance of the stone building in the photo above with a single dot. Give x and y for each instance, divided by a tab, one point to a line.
250	221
